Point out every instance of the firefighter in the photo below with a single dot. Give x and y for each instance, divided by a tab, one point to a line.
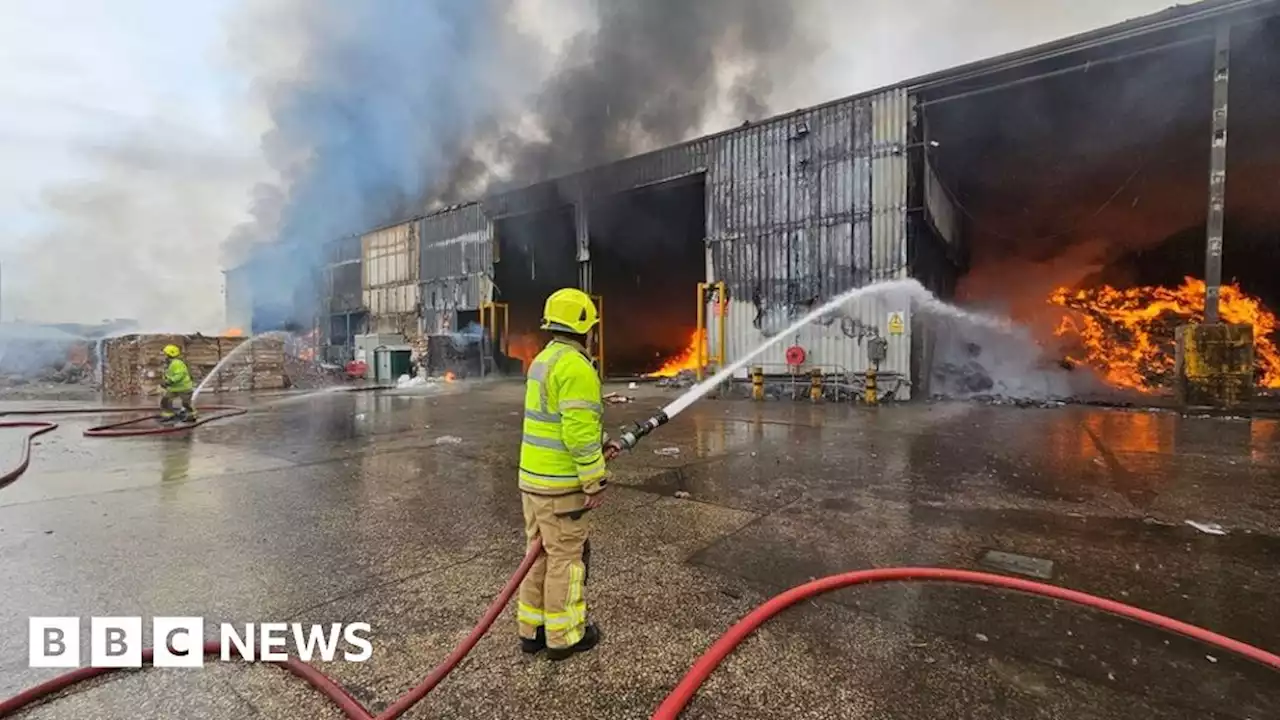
177	384
562	476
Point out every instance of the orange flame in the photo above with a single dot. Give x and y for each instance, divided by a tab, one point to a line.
1128	335
690	358
525	348
449	376
233	332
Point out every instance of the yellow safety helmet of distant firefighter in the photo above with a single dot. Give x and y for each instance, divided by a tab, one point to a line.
569	310
172	351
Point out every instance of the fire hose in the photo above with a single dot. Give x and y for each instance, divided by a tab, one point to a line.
684	691
126	428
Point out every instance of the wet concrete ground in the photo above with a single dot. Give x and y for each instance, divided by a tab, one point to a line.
401	511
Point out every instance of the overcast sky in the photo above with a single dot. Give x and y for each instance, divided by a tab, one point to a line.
117	113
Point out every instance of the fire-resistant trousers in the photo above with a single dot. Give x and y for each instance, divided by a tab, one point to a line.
551	595
166	402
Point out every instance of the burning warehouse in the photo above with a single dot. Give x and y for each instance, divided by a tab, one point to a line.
1068	186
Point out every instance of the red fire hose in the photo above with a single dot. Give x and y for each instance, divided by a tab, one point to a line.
675	703
120	429
683	693
41	427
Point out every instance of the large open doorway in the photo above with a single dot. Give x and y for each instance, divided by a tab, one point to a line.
1083	192
647	258
536	256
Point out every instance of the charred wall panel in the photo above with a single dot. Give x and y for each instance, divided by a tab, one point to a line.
801	209
390	271
456	265
599	182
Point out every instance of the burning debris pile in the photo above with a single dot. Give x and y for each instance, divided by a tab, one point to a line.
41	355
1127	335
687	361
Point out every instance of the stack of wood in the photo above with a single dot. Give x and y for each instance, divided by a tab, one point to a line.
133	364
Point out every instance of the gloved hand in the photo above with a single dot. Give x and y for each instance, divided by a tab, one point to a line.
612	449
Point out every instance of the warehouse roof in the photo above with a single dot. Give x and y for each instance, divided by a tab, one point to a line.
673	161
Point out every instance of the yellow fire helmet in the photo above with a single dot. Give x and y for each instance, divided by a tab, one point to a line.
172	351
569	310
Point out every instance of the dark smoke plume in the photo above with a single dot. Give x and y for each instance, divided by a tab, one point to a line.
650	74
369	103
390	104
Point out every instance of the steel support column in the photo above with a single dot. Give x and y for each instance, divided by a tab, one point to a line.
1217	174
582	237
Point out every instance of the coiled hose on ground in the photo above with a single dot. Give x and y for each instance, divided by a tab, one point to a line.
685	690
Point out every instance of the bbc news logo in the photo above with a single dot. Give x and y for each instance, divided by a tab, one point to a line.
116	642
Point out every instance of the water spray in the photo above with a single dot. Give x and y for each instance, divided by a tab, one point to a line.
908	290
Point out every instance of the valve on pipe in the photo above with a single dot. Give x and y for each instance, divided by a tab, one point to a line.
631	435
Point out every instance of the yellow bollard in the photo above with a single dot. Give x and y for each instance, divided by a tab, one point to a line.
757	383
815	385
870	395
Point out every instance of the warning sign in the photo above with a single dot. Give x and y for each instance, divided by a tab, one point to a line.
897	323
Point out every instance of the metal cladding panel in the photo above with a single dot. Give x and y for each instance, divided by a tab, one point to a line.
801	209
390	256
457	262
633	172
392	300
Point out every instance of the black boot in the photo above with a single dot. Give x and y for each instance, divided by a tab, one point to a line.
590	638
536	645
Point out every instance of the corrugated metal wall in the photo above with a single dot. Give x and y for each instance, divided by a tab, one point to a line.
456	265
345	275
802	208
390	270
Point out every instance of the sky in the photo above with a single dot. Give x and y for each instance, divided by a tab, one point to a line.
129	145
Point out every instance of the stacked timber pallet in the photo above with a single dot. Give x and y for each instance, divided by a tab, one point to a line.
132	364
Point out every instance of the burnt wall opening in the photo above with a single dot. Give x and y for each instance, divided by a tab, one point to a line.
537	255
1084	201
647	258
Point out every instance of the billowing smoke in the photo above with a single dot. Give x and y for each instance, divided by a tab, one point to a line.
136	237
648	74
368	103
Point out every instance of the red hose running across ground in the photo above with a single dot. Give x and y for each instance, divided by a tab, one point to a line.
680	697
125	429
675	703
318	680
42	427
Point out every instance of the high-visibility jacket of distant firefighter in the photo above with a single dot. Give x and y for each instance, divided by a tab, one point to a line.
561	452
177	378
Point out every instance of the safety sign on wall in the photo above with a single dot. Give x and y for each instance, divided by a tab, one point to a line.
897	323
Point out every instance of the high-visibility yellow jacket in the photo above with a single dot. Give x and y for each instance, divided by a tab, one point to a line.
177	378
561	452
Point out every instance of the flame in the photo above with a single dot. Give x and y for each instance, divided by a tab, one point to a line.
449	376
525	348
687	359
1128	335
233	332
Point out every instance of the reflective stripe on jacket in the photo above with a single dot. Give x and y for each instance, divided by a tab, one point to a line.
177	378
561	451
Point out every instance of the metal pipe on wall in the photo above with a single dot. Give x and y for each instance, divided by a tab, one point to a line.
1217	174
700	332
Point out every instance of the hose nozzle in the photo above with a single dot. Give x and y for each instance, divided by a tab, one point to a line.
631	435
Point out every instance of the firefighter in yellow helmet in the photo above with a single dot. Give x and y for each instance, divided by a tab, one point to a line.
562	476
177	385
